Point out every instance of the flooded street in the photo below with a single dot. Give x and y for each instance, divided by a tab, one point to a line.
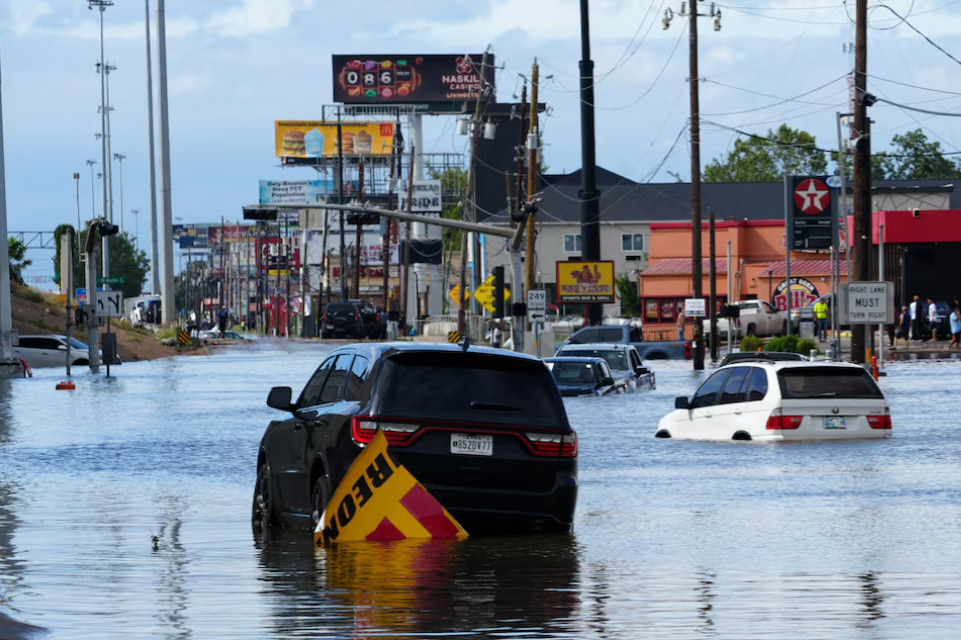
125	513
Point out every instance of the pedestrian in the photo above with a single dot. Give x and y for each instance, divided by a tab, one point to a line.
497	335
955	320
915	319
933	319
904	328
821	315
680	324
222	322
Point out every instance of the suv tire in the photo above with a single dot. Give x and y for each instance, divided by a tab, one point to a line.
319	497
262	509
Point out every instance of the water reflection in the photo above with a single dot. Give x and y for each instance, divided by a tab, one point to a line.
172	584
413	588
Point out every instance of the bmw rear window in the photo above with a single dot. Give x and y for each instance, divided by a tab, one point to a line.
827	382
467	384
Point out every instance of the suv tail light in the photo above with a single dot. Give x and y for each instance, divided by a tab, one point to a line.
553	444
363	429
778	421
687	350
880	422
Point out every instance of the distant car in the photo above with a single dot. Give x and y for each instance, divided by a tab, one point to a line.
342	320
781	400
214	334
757	318
623	359
583	376
484	430
51	351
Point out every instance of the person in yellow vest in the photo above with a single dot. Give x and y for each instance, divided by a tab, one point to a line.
821	315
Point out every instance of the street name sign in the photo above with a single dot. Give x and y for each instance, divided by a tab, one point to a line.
695	308
866	302
110	280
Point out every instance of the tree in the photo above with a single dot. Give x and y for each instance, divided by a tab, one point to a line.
18	260
783	152
627	292
913	158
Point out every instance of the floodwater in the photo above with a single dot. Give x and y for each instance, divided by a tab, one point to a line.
124	513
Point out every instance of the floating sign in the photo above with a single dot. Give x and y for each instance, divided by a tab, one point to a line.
379	499
580	282
866	302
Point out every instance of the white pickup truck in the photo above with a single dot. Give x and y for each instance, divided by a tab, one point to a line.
758	318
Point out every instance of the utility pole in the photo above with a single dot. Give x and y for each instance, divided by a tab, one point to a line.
860	241
532	162
589	196
168	312
693	80
154	259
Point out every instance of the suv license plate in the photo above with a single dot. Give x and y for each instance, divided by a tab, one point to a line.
472	444
834	422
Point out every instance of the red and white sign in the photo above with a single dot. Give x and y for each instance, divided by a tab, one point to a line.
812	196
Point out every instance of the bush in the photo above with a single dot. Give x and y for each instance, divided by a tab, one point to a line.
751	343
791	344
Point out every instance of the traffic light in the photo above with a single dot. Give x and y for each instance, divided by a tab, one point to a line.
498	273
363	218
107	229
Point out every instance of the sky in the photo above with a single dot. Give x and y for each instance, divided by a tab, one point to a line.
236	66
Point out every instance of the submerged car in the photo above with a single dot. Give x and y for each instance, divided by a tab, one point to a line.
484	430
583	376
51	351
772	400
623	359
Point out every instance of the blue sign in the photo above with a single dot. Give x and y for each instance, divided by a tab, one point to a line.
81	297
834	182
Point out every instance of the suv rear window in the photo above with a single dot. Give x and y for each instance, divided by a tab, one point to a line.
465	383
827	382
334	307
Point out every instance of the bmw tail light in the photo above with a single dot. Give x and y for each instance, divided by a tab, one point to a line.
563	445
779	421
880	422
400	434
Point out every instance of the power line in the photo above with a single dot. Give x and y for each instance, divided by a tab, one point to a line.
917	31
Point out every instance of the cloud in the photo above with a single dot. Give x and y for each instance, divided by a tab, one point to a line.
256	16
24	16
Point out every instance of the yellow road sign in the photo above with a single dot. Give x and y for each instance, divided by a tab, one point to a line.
485	294
379	499
456	290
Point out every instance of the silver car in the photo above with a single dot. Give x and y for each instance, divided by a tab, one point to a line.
51	351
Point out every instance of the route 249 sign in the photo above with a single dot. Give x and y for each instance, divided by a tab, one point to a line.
809	212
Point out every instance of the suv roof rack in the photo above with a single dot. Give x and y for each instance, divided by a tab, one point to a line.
762	356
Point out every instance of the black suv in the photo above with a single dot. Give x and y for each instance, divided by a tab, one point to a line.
518	474
344	320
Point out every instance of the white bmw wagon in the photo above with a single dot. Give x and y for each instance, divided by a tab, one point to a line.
781	400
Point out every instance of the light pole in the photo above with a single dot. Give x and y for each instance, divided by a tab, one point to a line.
101	68
119	157
136	226
93	206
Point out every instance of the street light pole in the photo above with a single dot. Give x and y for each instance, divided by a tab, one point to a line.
105	157
93	206
119	157
136	226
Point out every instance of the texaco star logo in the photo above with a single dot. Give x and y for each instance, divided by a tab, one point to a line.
812	196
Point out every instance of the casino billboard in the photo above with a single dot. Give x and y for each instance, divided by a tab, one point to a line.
409	79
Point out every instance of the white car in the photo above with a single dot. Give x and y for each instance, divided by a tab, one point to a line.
781	400
50	350
757	318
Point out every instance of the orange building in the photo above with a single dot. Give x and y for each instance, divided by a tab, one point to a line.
758	267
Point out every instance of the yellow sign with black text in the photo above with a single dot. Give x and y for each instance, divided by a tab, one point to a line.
580	282
379	499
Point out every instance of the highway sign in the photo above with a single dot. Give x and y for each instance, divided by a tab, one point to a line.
866	302
110	279
536	305
110	303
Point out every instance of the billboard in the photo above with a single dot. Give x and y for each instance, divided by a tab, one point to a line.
402	79
318	139
293	192
580	282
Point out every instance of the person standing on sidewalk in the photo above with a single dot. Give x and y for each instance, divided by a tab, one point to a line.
904	328
916	319
821	315
680	324
955	320
933	319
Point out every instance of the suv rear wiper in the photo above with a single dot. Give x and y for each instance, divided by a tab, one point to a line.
824	394
490	406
